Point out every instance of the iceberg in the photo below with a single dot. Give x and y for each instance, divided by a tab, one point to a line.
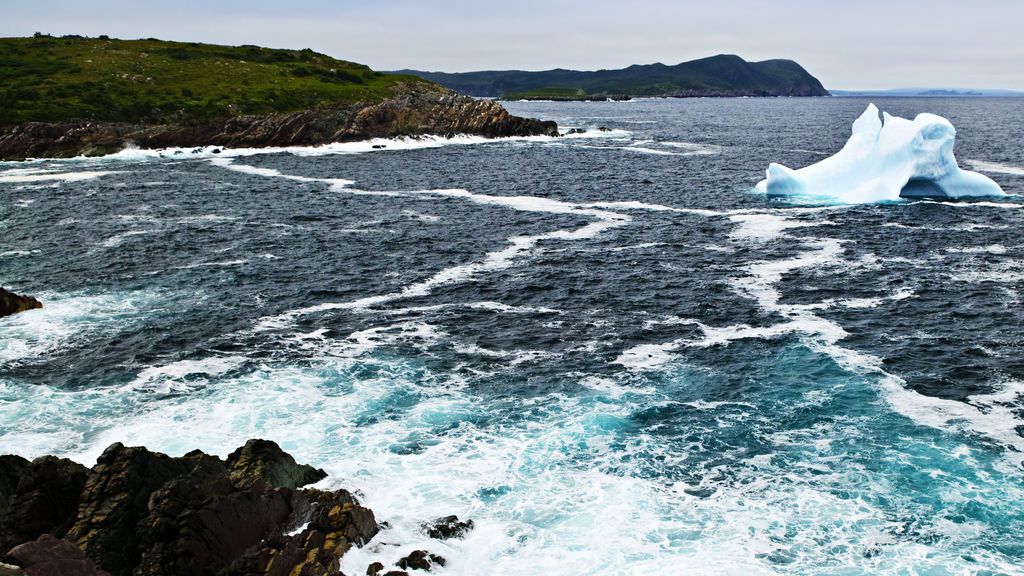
885	159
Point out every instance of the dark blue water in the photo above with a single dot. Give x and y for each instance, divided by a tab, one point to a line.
606	349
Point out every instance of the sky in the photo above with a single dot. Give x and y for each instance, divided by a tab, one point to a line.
863	44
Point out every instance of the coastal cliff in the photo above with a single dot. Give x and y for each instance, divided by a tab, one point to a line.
73	96
412	110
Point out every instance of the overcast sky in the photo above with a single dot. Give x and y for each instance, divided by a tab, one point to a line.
864	44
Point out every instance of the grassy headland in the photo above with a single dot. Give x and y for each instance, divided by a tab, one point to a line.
56	79
73	96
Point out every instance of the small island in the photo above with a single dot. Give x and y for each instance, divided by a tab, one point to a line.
71	95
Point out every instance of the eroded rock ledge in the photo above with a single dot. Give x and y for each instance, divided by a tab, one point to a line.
414	109
142	513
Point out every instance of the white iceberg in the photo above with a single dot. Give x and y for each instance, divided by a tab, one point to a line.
897	158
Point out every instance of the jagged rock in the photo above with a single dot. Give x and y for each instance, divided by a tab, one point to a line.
396	573
447	527
11	303
333	523
575	131
48	556
412	109
374	569
116	500
264	460
421	560
45	500
10	570
208	537
142	513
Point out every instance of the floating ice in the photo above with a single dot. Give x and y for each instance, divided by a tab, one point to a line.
897	158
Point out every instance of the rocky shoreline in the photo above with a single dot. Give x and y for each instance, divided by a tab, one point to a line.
413	109
143	513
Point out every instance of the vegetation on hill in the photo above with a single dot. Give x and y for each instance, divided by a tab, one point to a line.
56	79
722	75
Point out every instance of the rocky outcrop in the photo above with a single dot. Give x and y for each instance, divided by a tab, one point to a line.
421	560
264	460
142	513
336	522
11	303
448	527
413	109
44	499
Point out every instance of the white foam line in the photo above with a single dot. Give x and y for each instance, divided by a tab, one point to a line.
518	247
640	246
374	145
493	261
967	204
695	149
764	227
24	175
117	239
989	418
211	264
636	205
996	167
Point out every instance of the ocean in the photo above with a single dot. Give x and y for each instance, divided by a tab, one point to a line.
606	349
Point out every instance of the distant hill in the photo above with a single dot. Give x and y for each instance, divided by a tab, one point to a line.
70	95
722	75
930	92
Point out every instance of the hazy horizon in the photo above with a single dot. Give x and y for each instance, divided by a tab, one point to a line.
874	45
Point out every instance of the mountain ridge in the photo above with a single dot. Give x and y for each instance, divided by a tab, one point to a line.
720	75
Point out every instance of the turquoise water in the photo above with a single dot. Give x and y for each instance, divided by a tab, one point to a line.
606	350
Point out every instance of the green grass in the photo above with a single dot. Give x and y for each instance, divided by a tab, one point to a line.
51	79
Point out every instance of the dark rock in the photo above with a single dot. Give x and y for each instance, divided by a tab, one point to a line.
116	500
334	522
421	560
44	502
374	569
10	570
264	460
412	109
11	303
188	536
396	573
575	131
604	129
378	146
11	467
48	556
447	527
142	513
